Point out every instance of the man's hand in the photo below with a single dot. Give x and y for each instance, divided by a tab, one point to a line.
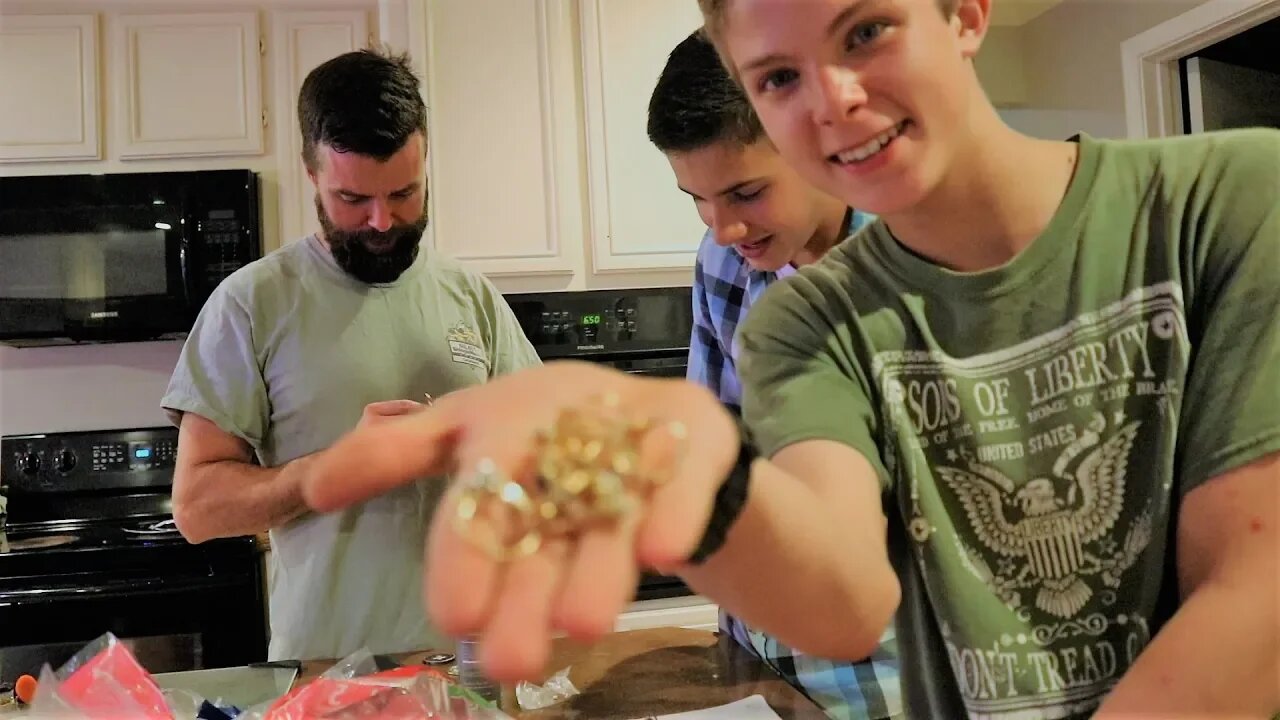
379	412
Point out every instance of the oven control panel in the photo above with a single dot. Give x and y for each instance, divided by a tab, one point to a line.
564	324
99	460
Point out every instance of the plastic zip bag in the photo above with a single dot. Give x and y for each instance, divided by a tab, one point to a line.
101	682
104	681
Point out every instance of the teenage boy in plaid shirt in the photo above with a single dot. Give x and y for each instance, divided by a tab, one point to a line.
763	221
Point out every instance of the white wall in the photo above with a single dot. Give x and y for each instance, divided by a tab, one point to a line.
91	387
1002	67
1074	77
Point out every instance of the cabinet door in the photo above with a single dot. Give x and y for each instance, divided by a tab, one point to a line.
303	40
503	147
49	87
191	85
639	219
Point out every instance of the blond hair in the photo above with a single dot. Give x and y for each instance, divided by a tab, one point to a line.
715	15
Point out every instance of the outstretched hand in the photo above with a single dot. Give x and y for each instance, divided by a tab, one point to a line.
575	584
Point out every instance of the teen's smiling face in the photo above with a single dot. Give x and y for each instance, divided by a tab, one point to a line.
868	99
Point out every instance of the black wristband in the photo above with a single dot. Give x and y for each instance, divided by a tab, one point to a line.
730	499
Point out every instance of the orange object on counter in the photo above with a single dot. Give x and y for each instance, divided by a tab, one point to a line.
25	689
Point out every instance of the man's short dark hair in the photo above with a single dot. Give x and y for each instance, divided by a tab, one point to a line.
366	102
697	104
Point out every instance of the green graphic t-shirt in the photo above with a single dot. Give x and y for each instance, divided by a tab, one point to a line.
1035	426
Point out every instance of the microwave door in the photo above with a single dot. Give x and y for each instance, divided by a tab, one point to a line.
88	273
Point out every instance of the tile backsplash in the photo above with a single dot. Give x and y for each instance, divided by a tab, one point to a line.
84	387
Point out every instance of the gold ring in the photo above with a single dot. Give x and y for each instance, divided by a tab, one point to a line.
488	484
589	467
588	474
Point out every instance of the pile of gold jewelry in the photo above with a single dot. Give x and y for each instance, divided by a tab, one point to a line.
588	475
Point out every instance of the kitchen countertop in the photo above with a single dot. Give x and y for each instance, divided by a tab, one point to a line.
641	673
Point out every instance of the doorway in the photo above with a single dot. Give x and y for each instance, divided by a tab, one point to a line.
1157	96
1234	83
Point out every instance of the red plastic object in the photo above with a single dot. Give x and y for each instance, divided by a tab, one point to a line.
111	683
385	696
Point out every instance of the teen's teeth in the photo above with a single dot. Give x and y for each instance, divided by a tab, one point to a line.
872	147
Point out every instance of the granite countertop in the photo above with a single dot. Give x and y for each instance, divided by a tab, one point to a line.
637	674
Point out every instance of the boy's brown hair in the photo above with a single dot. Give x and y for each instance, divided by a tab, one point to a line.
697	104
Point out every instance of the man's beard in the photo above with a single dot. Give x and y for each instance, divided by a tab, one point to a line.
350	248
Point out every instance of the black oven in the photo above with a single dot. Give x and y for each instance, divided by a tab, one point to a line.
113	258
639	331
90	547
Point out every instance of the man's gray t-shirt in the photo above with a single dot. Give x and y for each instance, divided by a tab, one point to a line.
286	354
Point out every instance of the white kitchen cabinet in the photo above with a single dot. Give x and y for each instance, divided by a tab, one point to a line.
49	88
303	40
190	85
504	146
639	219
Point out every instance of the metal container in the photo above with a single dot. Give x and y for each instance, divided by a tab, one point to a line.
470	675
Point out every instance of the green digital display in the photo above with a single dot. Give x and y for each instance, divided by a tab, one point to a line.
590	319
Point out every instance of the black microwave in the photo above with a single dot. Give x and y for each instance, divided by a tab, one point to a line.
119	257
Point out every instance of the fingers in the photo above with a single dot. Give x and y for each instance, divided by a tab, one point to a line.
508	603
696	466
517	640
461	579
577	585
372	460
601	580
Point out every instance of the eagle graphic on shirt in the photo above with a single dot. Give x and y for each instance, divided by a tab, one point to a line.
1054	531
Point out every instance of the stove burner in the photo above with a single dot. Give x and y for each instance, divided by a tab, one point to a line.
163	527
40	543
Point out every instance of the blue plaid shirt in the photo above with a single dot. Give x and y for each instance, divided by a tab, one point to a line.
724	288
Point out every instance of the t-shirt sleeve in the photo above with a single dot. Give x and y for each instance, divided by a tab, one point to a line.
1231	409
509	348
800	372
218	375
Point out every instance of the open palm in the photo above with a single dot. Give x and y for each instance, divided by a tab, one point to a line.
576	585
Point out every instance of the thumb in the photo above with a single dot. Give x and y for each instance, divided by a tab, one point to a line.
370	461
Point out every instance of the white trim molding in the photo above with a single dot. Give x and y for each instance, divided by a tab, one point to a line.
1152	88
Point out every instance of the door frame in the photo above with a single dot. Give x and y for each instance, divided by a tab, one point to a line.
1152	86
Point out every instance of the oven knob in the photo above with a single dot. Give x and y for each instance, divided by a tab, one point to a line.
29	464
66	461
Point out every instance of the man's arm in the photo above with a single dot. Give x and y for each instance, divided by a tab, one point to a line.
807	560
1219	656
218	492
